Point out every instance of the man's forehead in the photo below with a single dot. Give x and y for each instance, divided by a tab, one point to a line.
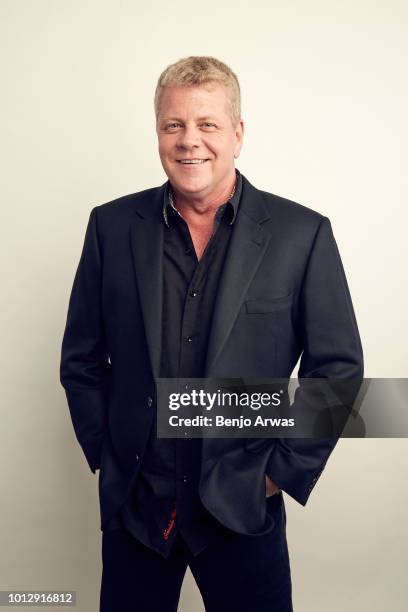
203	100
197	94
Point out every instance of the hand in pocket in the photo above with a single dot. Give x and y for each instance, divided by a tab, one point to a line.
271	487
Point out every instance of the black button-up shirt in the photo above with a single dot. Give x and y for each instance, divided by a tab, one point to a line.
165	500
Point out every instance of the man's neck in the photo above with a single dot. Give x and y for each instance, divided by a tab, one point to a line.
204	206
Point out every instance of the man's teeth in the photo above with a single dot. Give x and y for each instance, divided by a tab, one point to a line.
192	161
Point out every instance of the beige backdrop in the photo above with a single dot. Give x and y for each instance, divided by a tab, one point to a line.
324	100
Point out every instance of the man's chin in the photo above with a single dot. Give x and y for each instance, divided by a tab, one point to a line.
191	187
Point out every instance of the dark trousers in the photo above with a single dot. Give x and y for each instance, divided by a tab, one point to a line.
238	572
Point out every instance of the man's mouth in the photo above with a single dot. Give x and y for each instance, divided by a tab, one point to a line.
192	161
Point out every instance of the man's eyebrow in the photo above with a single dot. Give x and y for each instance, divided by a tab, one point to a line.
206	118
171	119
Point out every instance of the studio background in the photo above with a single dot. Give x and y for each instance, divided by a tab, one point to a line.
324	99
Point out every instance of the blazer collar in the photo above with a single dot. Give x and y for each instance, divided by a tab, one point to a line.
233	201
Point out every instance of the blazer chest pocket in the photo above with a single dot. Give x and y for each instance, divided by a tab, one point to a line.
263	306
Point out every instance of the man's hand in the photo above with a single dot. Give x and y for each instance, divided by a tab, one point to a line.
271	487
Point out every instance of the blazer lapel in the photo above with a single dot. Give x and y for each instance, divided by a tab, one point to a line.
147	248
246	250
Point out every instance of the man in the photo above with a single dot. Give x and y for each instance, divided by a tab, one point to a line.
205	276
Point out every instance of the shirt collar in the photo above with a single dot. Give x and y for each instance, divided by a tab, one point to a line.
168	202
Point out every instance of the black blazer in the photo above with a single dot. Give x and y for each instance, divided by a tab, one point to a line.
283	294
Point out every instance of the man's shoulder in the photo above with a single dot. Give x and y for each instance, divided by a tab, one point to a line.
285	210
128	204
292	207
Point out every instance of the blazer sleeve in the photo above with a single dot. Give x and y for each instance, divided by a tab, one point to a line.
85	364
331	349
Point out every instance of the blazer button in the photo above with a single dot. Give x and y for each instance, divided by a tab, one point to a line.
137	457
149	401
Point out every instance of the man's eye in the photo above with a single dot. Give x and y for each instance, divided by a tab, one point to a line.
208	125
172	126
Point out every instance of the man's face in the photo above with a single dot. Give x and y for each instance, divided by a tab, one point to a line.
194	123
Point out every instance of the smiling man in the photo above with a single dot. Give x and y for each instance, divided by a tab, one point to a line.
204	276
199	135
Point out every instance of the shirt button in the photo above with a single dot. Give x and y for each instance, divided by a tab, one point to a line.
189	339
149	401
184	478
137	457
193	293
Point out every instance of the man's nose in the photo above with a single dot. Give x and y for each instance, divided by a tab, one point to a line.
189	138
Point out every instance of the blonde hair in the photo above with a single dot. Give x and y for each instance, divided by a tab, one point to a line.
200	70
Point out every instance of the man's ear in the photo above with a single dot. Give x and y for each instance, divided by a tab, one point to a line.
239	135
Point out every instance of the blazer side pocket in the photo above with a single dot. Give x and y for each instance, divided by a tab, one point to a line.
255	445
